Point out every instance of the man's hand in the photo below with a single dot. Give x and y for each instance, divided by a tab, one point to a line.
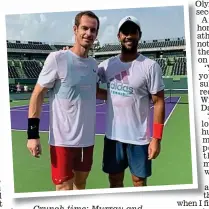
65	48
34	146
154	149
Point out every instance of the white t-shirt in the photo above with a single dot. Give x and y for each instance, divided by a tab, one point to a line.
25	88
18	87
72	83
128	105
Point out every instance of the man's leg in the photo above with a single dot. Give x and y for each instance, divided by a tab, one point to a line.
116	180
139	164
80	180
62	167
66	185
138	181
82	166
114	162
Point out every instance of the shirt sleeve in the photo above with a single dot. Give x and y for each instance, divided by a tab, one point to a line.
101	73
97	77
155	79
48	74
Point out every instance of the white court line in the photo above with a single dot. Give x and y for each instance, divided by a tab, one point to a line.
100	104
150	107
26	106
22	110
26	130
47	132
166	118
21	106
103	113
171	111
153	105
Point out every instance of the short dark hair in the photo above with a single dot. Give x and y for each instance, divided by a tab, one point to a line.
87	13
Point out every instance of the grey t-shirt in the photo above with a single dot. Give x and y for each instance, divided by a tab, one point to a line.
72	96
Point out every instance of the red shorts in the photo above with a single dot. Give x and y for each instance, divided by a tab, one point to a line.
65	160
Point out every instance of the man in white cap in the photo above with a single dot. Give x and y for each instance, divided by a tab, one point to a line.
132	81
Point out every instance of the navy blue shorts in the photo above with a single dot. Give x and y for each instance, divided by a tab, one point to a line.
117	156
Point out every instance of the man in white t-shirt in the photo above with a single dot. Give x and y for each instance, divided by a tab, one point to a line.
18	88
71	78
25	88
132	80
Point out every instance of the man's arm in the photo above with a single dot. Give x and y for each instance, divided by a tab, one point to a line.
45	81
101	93
159	107
156	89
36	101
158	124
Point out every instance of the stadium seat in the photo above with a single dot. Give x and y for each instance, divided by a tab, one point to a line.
12	72
29	65
31	68
144	45
179	67
28	46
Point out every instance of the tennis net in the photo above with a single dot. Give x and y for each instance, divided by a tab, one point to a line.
179	96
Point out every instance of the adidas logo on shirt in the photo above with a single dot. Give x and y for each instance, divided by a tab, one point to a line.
119	85
123	88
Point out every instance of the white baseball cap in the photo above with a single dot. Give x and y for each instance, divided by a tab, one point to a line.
130	19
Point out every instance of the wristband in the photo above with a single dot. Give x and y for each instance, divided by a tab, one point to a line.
158	130
33	128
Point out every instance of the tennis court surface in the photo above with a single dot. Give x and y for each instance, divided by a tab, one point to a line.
172	167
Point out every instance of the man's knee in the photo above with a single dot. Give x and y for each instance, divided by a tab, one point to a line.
79	184
138	181
66	185
116	180
80	180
